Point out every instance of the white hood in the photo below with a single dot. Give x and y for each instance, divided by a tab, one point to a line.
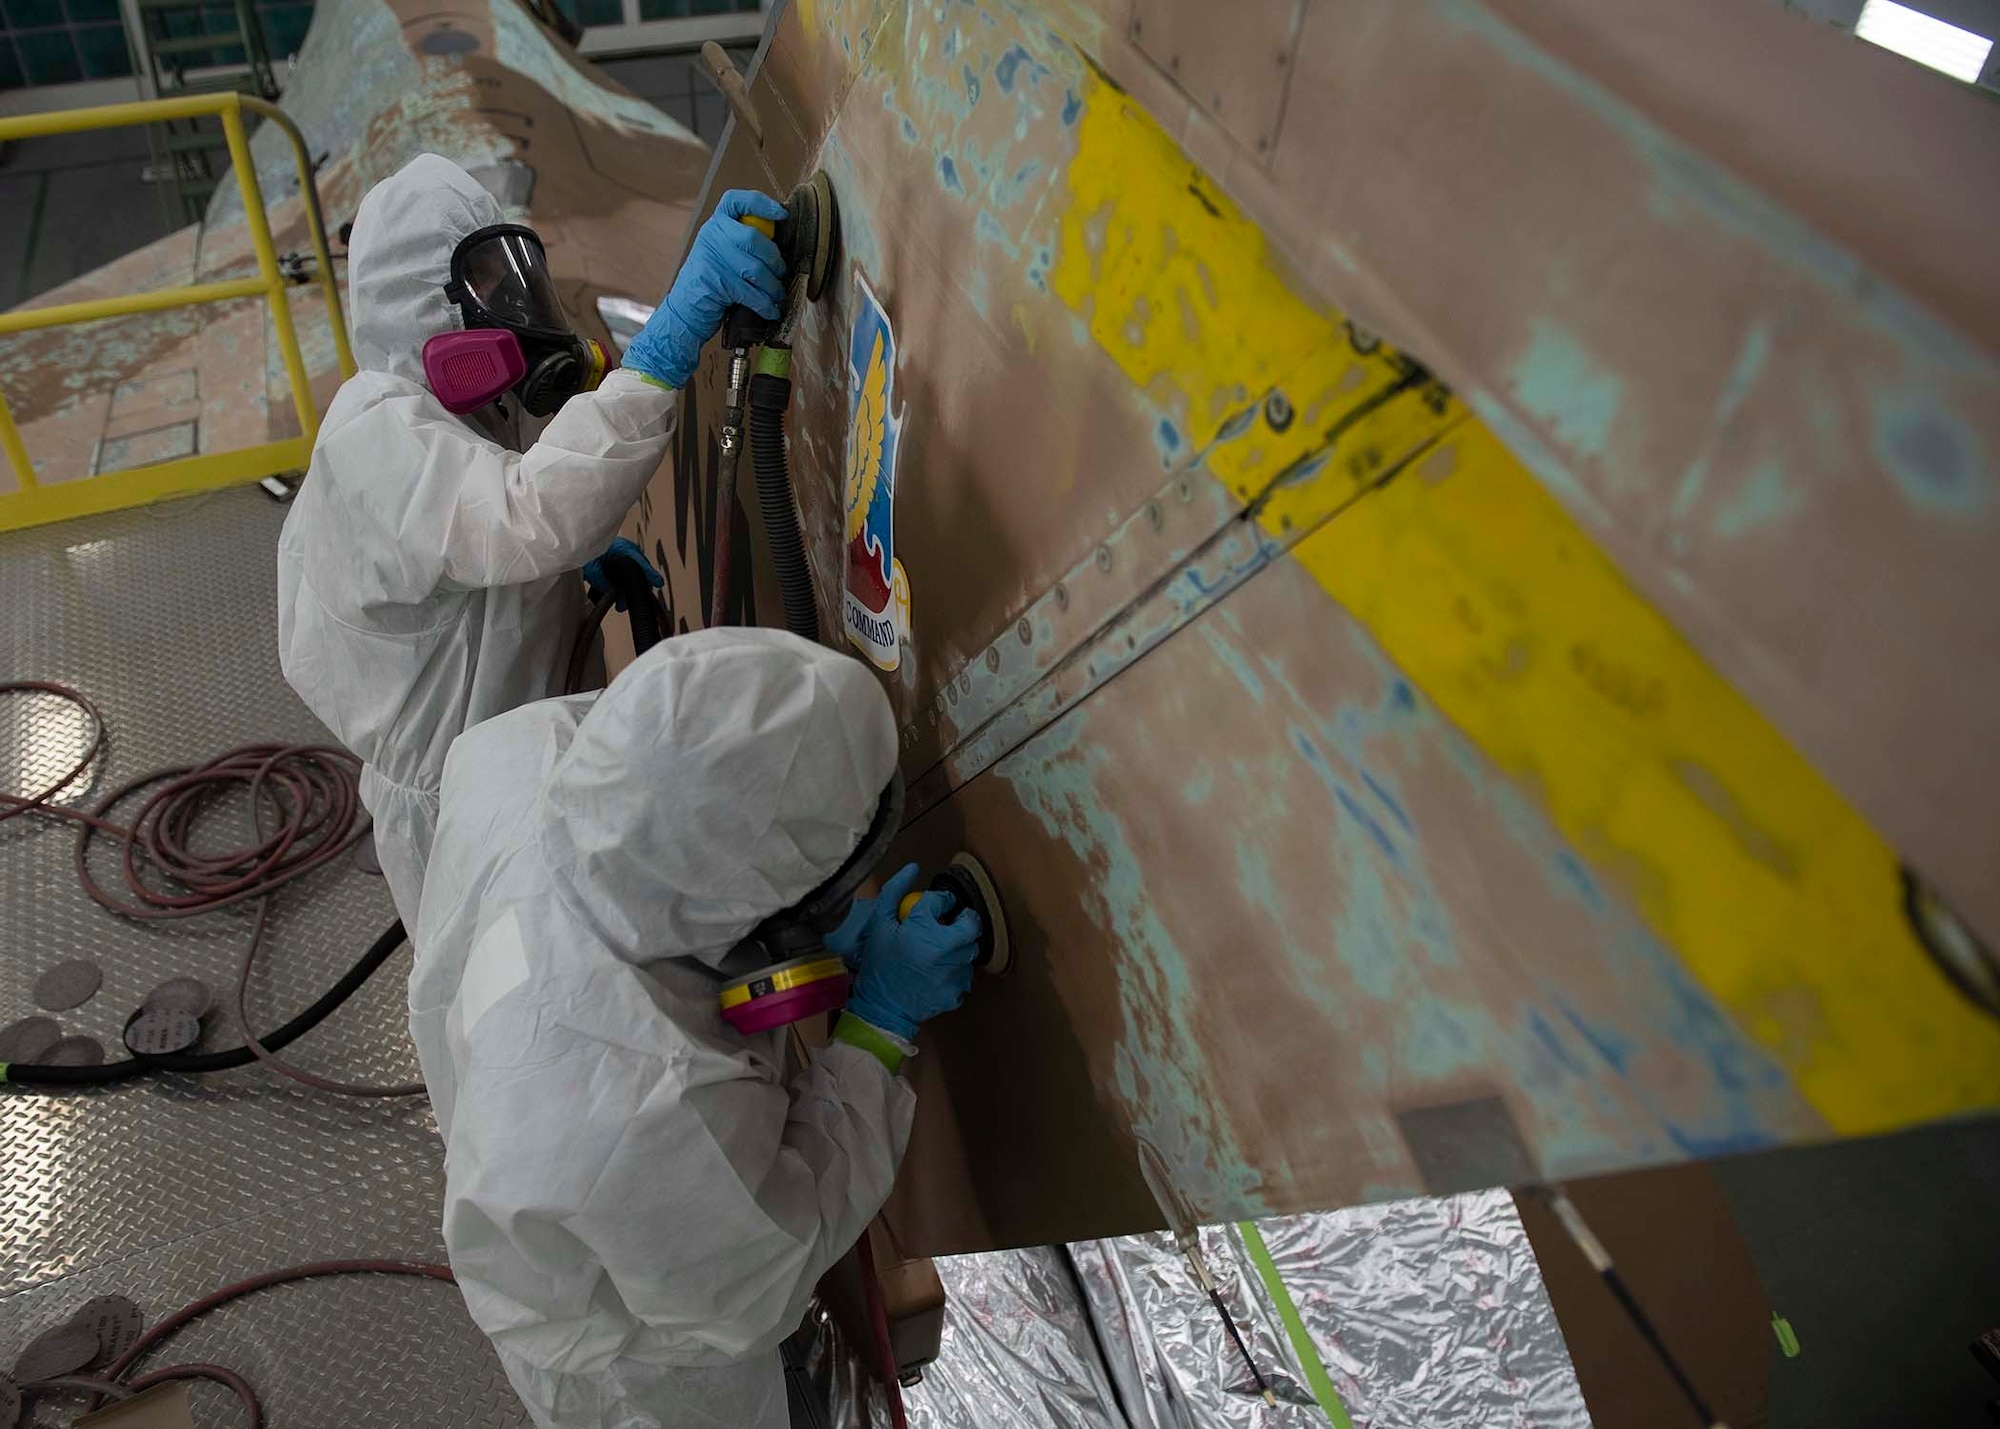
399	259
722	777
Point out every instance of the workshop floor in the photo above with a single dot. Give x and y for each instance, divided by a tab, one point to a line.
166	1188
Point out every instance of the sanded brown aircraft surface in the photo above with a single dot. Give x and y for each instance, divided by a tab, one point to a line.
1443	553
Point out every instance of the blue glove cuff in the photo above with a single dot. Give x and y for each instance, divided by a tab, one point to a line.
665	351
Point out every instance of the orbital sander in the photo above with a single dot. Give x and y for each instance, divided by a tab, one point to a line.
794	975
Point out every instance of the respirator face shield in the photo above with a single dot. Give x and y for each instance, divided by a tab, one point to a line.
782	971
516	335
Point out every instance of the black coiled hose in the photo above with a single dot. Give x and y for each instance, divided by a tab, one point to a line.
28	1074
769	396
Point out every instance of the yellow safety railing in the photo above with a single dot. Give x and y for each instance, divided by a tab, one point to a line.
32	503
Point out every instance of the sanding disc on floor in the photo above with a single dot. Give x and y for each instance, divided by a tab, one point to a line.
64	1350
68	985
73	1052
162	1031
115	1320
180	994
24	1041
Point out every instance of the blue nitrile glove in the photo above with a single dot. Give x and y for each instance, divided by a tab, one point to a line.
871	916
730	263
599	583
910	971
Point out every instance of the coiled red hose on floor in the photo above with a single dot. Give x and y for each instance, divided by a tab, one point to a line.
155	1333
313	791
305	803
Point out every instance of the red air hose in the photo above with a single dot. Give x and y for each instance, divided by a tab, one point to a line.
309	795
878	1327
155	1333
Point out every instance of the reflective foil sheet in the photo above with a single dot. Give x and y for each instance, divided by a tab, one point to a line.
1427	1314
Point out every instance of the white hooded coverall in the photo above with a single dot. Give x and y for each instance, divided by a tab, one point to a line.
427	573
636	1206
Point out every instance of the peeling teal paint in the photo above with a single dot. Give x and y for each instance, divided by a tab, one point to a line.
1160	1071
1559	383
1393	922
1763	499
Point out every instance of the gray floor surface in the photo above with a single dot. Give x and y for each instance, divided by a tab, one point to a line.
169	1187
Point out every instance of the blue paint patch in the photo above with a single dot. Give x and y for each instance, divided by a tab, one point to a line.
1703	1147
1615	1049
971	85
1402	696
1933	456
1564	387
988	230
1579	879
948	172
1764	498
1072	108
1167	437
1367	821
1546	1035
909	129
1388	800
1009	65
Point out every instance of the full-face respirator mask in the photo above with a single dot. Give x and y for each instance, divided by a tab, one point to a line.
516	336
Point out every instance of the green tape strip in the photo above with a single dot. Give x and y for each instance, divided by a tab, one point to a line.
1788	1339
1295	1327
775	361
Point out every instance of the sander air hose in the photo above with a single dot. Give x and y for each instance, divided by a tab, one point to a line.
770	394
634	592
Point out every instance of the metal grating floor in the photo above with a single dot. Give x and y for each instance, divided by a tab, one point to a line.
166	1188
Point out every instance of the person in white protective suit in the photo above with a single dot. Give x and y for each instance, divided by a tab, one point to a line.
427	573
636	1205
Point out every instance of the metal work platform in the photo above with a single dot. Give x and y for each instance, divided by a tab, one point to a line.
169	1187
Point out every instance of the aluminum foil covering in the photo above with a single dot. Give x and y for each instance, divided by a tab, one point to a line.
1427	1314
1018	1348
1168	1350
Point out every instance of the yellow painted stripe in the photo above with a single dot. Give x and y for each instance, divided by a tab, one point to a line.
1776	894
1175	283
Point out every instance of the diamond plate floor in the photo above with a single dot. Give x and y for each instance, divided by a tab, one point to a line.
166	1188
